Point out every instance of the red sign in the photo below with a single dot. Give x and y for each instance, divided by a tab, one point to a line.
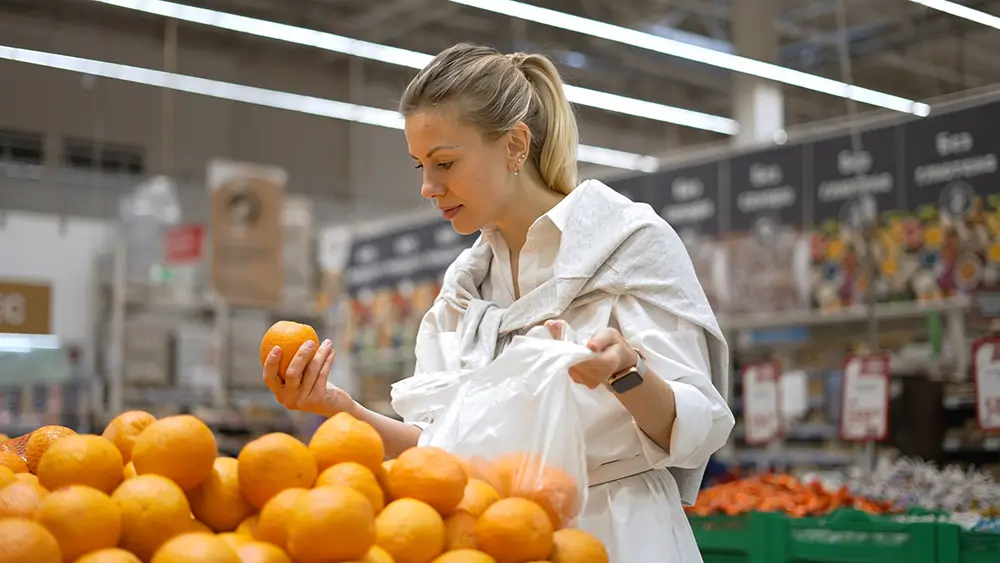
864	410
184	244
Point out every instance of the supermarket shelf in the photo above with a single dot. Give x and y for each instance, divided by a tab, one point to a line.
954	444
811	317
801	432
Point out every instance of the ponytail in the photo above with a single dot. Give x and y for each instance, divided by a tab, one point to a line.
556	149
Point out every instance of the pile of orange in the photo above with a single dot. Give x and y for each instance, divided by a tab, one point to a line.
156	491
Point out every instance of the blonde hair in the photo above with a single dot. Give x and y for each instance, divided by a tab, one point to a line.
495	92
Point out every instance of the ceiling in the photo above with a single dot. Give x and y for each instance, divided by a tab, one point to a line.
896	46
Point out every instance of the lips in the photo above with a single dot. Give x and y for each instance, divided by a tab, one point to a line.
450	212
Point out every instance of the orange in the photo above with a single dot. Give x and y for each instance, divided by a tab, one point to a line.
154	509
272	463
28	478
40	441
411	531
272	524
112	555
129	471
81	460
383	478
218	501
7	476
460	531
555	490
123	430
510	469
344	438
248	527
577	546
197	526
465	556
331	523
478	497
357	477
478	468
377	555
261	552
234	540
289	336
180	448
82	519
515	530
195	548
21	499
12	461
431	475
25	541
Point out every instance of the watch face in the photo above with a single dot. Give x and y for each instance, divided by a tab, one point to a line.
626	382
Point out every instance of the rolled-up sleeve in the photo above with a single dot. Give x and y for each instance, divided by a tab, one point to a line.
677	351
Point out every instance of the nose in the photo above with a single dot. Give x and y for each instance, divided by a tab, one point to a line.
431	189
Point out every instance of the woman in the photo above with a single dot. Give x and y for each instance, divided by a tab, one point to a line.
496	141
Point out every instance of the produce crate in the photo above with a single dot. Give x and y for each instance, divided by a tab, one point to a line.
959	546
733	539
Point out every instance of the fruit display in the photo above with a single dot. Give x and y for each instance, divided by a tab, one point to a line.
156	491
781	493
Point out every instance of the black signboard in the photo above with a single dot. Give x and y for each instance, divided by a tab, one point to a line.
417	253
635	188
766	190
951	158
688	199
853	185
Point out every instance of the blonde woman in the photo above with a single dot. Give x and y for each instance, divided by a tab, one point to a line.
495	140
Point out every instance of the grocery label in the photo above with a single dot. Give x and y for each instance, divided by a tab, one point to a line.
761	402
184	244
864	414
986	373
25	308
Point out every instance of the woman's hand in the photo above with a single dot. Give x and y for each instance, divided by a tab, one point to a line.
306	384
614	356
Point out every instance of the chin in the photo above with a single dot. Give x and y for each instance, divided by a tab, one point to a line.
465	227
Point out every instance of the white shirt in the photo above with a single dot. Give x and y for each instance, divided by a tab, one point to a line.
630	515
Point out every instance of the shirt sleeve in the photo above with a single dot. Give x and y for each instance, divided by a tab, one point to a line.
676	350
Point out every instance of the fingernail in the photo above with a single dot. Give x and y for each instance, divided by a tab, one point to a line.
309	345
327	343
275	351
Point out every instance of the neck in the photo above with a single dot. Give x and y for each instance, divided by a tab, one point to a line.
535	200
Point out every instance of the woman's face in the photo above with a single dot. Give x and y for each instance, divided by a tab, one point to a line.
467	175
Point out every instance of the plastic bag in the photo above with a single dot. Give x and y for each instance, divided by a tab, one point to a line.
515	424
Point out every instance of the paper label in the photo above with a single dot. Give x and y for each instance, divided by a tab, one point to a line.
986	367
762	402
864	412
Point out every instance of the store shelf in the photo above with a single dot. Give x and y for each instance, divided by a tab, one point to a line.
813	317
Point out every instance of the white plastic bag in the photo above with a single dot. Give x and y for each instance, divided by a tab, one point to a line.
515	424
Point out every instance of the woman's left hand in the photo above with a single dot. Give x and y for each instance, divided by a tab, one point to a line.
614	356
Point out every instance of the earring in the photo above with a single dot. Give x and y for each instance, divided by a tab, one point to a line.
517	169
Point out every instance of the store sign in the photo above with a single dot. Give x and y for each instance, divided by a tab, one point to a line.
25	308
864	414
688	199
765	194
184	244
246	224
986	372
762	402
853	183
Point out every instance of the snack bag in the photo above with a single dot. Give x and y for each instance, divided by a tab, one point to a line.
516	426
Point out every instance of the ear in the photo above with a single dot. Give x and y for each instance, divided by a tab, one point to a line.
518	145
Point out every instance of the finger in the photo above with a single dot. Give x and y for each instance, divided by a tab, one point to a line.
603	339
296	370
312	372
271	377
555	329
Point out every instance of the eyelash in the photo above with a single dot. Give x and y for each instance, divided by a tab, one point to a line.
444	165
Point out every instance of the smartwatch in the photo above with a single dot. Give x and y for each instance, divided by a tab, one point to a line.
629	379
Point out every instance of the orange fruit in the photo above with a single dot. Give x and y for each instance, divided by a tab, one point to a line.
82	519
218	501
273	520
82	459
180	448
7	476
129	471
12	461
357	477
112	555
331	523
40	441
195	548
28	478
344	438
431	475
383	479
477	498
577	546
123	430
261	552
25	541
460	531
4	437
555	490
272	463
411	531
377	555
154	509
477	467
289	336
515	530
234	540
20	499
465	556
248	527
199	527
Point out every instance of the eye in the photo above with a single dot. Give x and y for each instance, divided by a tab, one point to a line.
418	166
445	165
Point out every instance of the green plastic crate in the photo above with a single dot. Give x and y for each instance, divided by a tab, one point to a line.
732	539
956	545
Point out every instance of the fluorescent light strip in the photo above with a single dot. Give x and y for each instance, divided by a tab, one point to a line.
961	11
276	99
413	59
696	53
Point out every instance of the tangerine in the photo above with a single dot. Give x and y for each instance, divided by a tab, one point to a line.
123	430
377	555
460	531
248	527
7	476
344	438
577	546
111	555
82	519
478	496
261	552
357	477
195	548
234	540
21	499
272	463
218	501
515	530
465	556
289	336
26	541
273	520
431	475
154	510
180	448
40	441
331	523
411	531
82	459
12	461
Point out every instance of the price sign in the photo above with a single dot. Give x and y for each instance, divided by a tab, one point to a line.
25	308
762	402
183	245
986	372
864	414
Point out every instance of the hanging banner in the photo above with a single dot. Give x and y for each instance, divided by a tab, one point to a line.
688	199
766	191
864	410
986	375
246	230
25	308
762	402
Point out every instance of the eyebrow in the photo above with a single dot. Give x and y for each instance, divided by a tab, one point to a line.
431	152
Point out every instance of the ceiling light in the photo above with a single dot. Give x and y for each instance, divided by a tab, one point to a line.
956	9
276	99
696	53
413	59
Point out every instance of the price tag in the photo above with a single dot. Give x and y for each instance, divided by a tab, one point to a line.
762	402
986	372
864	414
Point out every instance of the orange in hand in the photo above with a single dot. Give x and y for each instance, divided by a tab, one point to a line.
289	336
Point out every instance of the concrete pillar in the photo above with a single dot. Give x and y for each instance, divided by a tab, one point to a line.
759	105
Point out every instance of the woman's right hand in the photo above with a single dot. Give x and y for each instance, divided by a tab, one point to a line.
306	386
